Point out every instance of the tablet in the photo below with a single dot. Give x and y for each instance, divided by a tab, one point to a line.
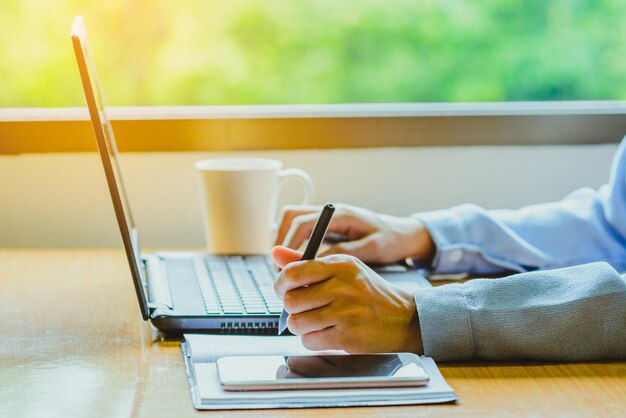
248	373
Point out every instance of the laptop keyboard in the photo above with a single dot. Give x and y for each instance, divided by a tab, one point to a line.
237	285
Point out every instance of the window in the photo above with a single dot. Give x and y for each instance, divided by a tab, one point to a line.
204	52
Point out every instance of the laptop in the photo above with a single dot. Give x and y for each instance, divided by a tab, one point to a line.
189	291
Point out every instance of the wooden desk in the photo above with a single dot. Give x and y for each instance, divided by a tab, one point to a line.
72	345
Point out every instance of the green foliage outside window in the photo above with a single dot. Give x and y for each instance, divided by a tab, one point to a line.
163	52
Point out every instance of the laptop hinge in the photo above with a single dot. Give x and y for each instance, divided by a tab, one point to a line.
159	297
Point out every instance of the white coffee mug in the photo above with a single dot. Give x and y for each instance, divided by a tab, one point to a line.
240	202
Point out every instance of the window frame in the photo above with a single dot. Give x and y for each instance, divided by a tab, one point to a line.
291	127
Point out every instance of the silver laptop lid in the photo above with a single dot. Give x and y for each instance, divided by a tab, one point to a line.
110	159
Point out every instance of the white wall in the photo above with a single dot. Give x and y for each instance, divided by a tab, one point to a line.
61	200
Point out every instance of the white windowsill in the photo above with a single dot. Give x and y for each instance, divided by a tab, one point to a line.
366	110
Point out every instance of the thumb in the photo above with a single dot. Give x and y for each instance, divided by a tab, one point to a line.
365	249
283	255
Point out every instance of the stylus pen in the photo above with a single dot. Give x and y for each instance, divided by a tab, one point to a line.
313	246
319	232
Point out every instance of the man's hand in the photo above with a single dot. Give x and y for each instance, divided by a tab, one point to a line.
372	237
337	302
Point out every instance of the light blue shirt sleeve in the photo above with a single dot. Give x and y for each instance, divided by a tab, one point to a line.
568	302
587	226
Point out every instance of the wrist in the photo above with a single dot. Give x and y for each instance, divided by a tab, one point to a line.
413	334
422	245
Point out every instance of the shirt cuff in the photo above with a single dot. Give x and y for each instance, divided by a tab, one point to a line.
444	323
453	253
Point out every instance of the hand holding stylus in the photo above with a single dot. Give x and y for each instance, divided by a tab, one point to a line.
315	241
337	302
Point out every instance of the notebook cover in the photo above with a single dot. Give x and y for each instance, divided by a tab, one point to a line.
197	401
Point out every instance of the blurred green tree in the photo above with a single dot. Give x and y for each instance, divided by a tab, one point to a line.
158	52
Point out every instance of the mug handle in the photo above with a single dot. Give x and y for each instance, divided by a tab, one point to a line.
303	175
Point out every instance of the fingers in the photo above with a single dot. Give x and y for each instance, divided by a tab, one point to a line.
283	256
287	214
311	321
307	298
303	273
345	224
326	339
300	229
308	272
366	249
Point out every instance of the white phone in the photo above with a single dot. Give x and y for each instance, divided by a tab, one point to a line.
248	373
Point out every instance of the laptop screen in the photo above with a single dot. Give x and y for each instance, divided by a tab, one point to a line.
109	155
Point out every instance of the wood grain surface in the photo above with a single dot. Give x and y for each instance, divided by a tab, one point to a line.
72	344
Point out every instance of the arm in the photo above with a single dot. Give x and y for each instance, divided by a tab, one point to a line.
572	314
586	226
